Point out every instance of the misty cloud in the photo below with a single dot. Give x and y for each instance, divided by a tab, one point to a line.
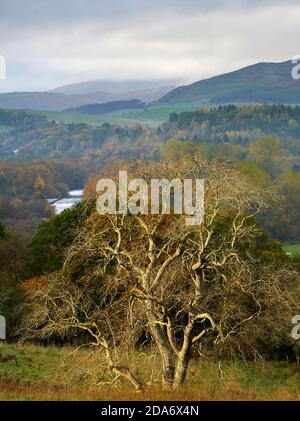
49	43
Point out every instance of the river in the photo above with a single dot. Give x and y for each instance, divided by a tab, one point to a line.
59	205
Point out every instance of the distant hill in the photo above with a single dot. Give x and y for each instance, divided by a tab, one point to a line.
41	101
114	87
72	96
146	95
258	83
108	107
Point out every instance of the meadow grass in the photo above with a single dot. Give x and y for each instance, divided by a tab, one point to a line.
153	117
292	249
53	373
120	119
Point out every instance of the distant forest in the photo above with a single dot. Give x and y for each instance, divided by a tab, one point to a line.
262	142
108	107
239	125
33	136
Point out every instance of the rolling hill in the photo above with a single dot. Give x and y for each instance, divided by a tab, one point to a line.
41	101
119	87
72	96
258	83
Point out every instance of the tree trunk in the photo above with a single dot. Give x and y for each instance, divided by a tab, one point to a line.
160	339
181	370
166	354
168	361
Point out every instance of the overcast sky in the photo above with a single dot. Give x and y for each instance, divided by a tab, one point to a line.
48	43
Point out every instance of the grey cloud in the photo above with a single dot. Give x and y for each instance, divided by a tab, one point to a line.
38	12
49	43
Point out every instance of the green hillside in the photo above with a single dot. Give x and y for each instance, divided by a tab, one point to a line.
116	118
262	82
154	115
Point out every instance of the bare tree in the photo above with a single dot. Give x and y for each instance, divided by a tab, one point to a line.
189	286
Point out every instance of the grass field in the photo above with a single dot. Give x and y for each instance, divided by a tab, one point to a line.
160	114
292	249
93	120
49	373
153	117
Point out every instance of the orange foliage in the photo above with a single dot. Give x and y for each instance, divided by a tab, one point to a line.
32	284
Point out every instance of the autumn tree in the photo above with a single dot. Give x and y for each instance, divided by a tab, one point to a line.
39	183
269	152
174	150
284	223
189	288
13	257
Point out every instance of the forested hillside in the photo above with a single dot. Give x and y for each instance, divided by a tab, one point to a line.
261	141
108	107
230	123
24	188
35	137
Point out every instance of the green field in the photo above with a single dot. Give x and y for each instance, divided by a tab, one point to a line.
160	114
153	117
292	249
50	373
93	120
